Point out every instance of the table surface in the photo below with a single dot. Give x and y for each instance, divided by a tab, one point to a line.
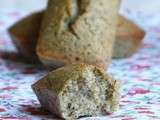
140	75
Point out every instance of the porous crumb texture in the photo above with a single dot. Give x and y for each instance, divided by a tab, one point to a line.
75	31
25	33
78	90
128	38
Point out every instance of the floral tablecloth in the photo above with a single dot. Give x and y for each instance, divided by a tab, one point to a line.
140	75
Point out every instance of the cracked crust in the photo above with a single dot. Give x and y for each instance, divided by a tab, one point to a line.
75	31
128	38
127	42
78	90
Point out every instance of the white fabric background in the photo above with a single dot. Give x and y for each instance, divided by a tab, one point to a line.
143	74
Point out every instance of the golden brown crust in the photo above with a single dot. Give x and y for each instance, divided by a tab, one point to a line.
75	32
57	59
128	38
78	90
25	33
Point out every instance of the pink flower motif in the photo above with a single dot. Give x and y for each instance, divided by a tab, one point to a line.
156	83
128	101
140	67
136	91
2	109
128	118
14	118
2	23
145	45
9	88
15	14
141	108
5	96
146	112
34	110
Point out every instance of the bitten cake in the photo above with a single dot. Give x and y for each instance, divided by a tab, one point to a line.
75	31
128	38
78	90
25	34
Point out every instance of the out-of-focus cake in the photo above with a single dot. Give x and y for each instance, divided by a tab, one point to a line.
128	38
25	34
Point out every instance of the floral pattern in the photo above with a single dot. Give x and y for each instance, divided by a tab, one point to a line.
140	75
